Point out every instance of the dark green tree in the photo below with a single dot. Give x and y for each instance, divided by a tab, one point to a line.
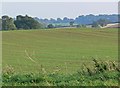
100	22
71	23
0	24
8	23
95	24
50	26
103	22
26	22
81	26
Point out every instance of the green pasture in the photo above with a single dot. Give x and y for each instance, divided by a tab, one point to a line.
64	50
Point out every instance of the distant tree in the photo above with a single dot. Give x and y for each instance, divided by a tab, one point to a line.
119	17
46	20
43	25
78	26
71	23
100	22
26	22
81	26
52	20
8	23
65	20
50	26
0	24
59	20
95	24
84	19
103	22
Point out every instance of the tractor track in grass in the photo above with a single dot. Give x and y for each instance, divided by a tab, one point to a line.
57	47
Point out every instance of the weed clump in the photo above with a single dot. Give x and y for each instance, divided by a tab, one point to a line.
101	74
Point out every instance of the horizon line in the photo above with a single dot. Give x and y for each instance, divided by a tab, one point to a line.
58	17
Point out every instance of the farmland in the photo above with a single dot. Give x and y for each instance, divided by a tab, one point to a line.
28	50
59	57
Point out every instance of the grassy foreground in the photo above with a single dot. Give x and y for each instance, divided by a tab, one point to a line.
60	57
29	50
103	74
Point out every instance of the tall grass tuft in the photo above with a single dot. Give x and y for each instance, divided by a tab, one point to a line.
103	73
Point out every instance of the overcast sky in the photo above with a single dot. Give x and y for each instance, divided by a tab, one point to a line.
58	9
60	0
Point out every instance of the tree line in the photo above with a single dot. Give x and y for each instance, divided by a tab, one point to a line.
20	22
83	19
27	22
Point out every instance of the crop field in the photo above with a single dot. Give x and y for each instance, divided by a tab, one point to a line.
65	50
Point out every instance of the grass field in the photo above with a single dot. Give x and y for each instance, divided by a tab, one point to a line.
63	49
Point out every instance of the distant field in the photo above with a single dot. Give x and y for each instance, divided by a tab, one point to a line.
66	49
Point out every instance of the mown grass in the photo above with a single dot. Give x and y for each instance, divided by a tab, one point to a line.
57	48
